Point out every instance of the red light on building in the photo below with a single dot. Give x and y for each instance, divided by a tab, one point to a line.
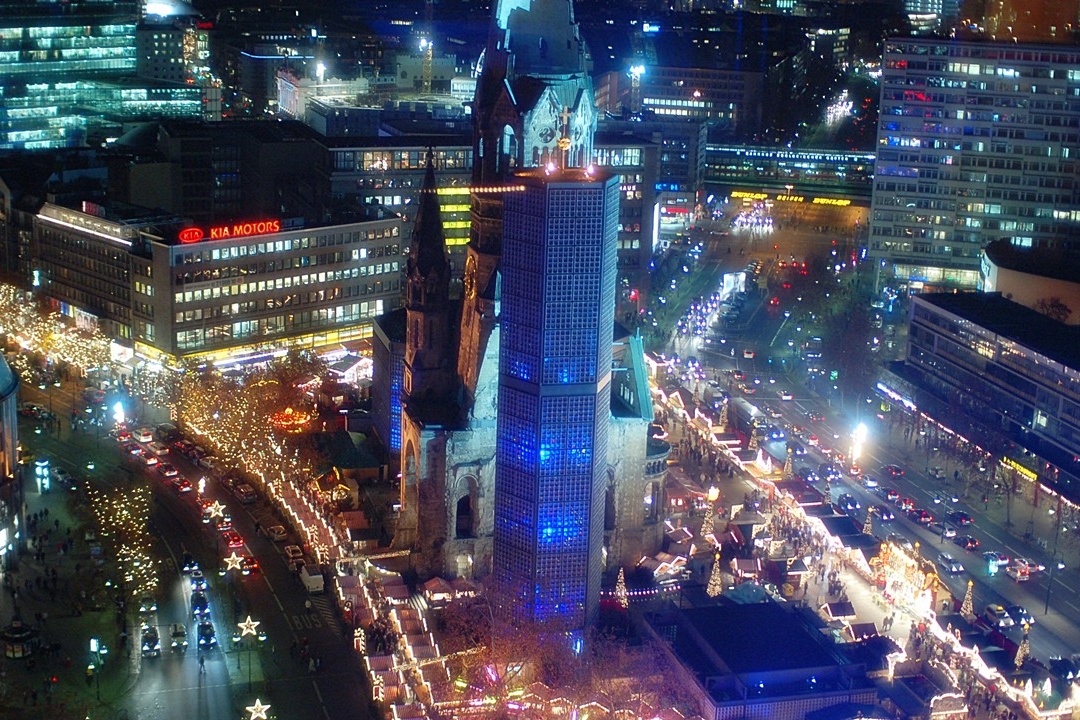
190	235
634	295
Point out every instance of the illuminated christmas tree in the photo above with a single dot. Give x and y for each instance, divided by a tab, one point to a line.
621	596
724	420
789	464
716	584
967	608
754	440
707	523
1024	651
868	526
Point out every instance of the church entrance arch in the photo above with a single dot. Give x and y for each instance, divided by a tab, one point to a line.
465	508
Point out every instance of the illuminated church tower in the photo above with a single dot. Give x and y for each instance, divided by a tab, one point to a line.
533	79
533	106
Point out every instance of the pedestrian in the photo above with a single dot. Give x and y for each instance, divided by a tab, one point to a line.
202	664
311	665
307	605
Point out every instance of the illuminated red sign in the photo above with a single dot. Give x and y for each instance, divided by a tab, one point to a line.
191	234
236	230
244	229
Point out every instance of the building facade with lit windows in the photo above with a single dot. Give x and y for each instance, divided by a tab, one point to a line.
977	141
68	72
1013	371
167	288
558	306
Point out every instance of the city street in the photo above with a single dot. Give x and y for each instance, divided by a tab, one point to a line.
234	675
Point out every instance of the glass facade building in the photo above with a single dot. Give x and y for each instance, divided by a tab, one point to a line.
1013	370
976	142
66	67
558	303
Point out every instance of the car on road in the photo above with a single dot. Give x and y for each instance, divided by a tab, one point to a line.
1020	615
949	564
920	516
748	354
883	512
905	504
892	471
943	529
207	636
147	604
1030	565
249	565
28	409
144	435
293	552
1019	573
188	563
233	539
890	494
131	447
178	637
998	617
967	542
223	523
198	580
786	395
181	485
167	470
277	533
998	558
200	605
847	503
960	518
149	459
814	416
151	643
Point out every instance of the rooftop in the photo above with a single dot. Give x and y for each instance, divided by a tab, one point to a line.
1056	263
762	637
1014	322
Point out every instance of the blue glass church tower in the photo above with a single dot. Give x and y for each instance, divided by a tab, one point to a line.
555	348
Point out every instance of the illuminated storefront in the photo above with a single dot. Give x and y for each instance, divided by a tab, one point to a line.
905	578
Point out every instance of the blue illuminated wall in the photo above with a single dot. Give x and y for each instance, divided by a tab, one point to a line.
557	313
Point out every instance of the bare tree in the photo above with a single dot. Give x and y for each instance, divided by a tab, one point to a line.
1053	308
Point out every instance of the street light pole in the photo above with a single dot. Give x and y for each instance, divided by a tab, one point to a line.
1054	562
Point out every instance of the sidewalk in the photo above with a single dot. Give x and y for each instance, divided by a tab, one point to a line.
54	586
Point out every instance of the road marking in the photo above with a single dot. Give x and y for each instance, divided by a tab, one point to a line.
321	703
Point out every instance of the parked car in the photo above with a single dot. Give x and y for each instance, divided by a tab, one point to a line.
949	564
293	552
277	533
943	529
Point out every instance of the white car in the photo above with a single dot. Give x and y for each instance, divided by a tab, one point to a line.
277	533
293	552
144	435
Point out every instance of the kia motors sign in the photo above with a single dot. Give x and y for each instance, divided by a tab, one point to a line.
235	230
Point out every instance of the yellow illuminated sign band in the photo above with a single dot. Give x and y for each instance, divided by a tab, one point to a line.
747	195
1013	465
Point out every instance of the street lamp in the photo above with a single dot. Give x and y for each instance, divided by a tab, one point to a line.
1060	565
248	627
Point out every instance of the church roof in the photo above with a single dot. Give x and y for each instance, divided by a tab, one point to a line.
427	253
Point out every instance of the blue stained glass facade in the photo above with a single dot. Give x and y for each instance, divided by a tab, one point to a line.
558	310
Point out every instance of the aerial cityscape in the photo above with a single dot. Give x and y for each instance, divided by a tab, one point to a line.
595	360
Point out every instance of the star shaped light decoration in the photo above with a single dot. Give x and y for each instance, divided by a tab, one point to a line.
233	562
258	710
248	628
217	509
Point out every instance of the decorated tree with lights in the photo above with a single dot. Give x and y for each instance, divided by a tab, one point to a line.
725	419
967	608
789	463
716	582
1023	651
868	526
621	595
708	521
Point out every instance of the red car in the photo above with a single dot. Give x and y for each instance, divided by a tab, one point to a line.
233	539
249	565
906	504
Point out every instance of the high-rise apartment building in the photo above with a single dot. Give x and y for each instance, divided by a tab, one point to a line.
558	305
976	142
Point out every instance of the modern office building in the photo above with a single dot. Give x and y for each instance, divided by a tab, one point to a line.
1045	280
68	71
977	141
1031	20
558	305
164	287
1010	371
